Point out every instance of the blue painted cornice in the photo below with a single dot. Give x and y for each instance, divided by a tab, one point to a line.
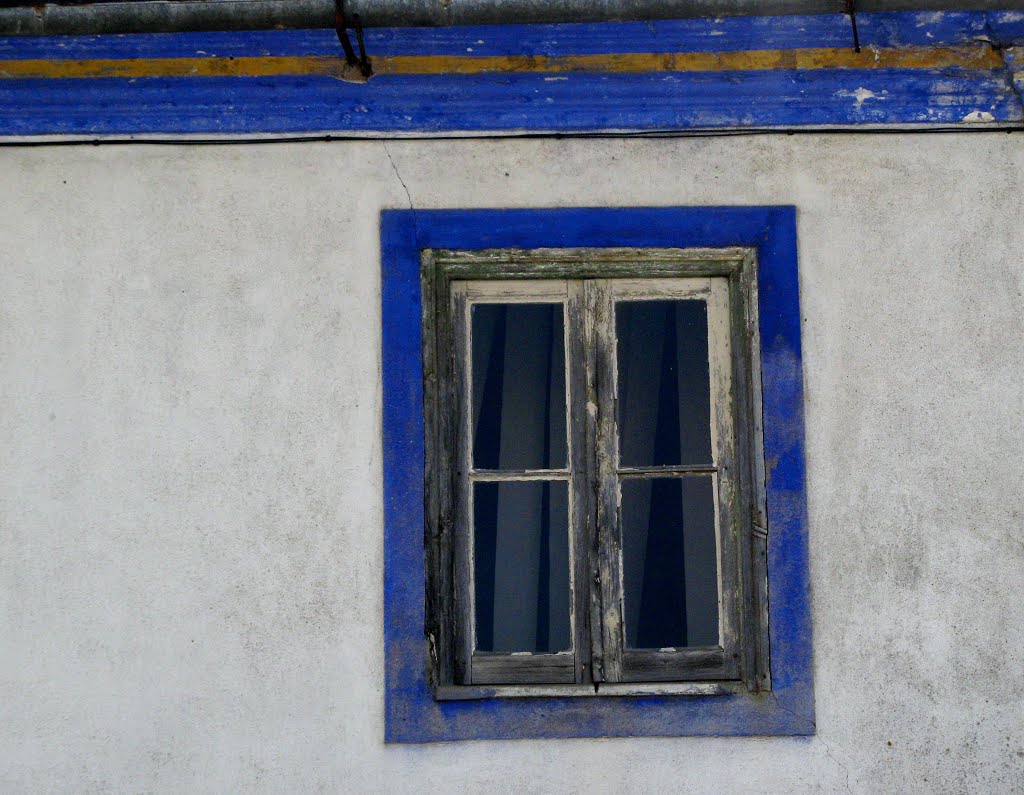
916	70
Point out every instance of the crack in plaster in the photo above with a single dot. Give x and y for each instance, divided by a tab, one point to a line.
844	768
408	195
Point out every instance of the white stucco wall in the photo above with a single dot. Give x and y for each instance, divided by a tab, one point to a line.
190	478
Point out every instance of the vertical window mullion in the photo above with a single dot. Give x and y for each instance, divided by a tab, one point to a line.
580	457
591	584
607	575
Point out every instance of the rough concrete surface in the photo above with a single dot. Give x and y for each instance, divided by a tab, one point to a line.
190	479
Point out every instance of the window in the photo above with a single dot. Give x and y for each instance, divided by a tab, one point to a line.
527	383
593	484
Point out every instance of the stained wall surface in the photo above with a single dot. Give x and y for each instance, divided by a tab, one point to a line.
190	478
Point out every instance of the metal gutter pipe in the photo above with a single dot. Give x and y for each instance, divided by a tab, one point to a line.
167	16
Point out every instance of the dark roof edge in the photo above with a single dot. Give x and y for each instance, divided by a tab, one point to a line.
163	16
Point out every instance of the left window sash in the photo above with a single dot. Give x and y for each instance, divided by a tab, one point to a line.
516	523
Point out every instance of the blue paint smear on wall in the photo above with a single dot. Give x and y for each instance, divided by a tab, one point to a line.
412	715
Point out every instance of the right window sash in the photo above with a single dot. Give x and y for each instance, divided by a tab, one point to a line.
665	453
659	479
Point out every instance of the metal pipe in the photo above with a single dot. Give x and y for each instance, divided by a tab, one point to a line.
167	16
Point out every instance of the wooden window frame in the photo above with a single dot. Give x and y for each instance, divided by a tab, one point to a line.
588	281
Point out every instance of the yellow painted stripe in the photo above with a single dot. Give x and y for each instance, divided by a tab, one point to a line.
974	57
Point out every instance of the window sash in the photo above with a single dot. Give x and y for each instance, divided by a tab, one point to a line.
623	664
486	667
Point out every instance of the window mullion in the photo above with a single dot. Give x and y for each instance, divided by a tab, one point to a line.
580	456
607	574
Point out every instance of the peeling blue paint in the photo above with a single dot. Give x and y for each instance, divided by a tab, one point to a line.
411	714
506	103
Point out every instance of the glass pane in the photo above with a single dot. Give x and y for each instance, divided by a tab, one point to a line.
521	566
663	389
670	562
518	386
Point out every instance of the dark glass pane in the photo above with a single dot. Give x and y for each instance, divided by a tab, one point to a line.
518	386
521	566
670	562
663	389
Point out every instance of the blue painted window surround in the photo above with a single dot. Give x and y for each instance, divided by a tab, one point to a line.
411	712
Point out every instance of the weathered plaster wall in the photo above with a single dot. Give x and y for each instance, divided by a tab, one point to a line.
190	508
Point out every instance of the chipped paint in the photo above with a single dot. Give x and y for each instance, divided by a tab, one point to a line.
861	95
979	116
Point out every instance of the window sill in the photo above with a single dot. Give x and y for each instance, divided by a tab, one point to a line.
608	689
